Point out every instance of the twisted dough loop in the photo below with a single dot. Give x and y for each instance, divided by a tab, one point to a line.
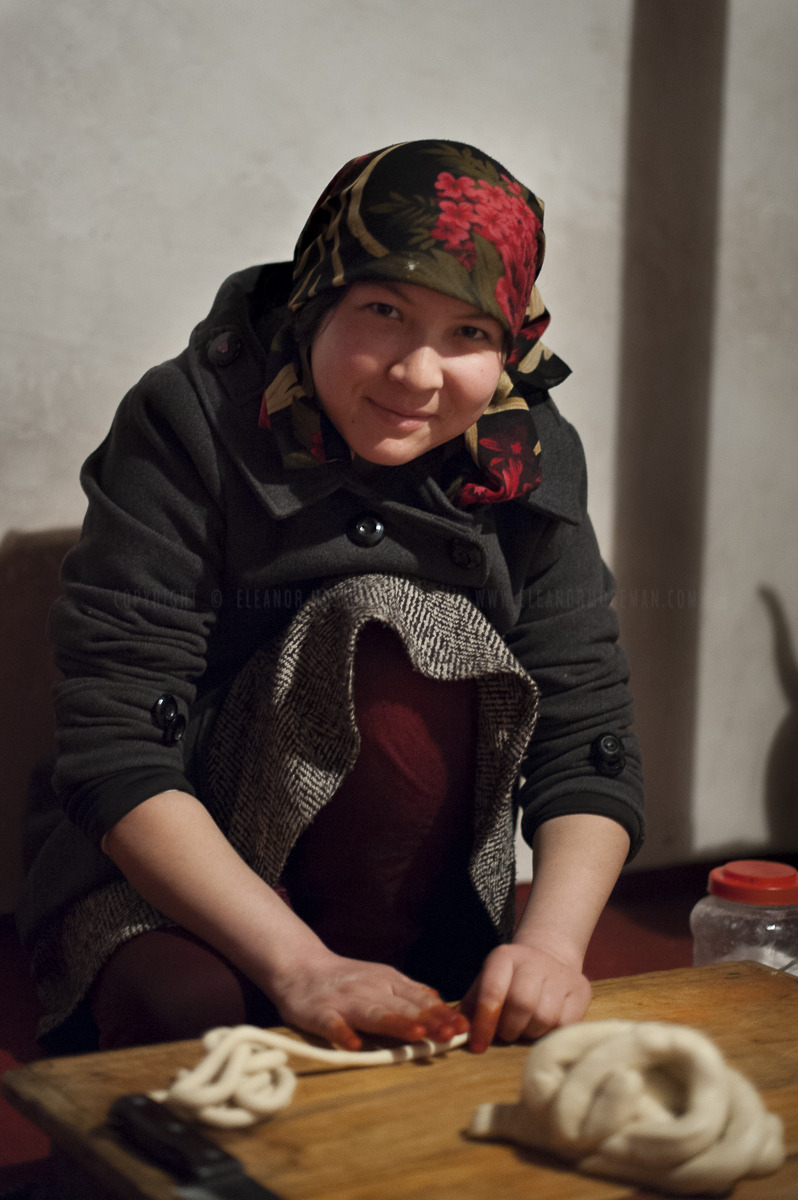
650	1102
243	1077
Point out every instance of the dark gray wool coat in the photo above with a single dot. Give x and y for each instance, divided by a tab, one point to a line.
199	546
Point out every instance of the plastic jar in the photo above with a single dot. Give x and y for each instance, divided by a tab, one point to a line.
751	912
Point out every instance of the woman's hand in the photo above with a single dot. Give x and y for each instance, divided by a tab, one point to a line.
536	983
333	997
524	991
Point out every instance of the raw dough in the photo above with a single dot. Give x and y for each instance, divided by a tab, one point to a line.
243	1078
650	1102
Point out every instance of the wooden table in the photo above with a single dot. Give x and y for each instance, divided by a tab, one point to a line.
396	1133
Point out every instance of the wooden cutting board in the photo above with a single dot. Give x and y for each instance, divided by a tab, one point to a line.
396	1133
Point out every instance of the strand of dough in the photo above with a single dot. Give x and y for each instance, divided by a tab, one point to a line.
243	1077
649	1102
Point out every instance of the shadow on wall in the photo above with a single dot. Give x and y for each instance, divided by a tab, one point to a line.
672	176
29	566
781	780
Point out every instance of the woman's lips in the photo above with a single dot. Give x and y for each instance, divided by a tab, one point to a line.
398	419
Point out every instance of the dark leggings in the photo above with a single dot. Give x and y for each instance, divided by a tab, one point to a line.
369	875
167	985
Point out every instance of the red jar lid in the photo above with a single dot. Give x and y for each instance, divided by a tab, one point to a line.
754	882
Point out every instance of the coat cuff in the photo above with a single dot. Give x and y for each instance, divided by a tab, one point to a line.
598	803
97	806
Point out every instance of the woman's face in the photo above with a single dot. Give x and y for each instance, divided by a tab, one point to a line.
400	369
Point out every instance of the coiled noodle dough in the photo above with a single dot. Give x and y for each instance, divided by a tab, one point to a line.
649	1102
243	1077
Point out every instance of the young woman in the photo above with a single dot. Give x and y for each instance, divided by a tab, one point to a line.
336	614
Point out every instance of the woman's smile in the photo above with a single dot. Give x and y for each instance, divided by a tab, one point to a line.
394	416
400	369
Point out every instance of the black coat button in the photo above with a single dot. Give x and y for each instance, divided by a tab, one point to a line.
166	716
225	348
366	530
164	710
608	754
465	554
174	731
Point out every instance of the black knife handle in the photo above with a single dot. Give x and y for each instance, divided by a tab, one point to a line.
162	1137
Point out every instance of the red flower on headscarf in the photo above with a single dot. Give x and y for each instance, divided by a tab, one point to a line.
513	186
454	223
530	333
499	214
455	189
509	294
514	464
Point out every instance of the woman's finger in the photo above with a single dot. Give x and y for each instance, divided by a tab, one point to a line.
487	998
522	1006
334	1028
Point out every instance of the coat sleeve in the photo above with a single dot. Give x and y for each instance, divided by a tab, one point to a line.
567	638
137	604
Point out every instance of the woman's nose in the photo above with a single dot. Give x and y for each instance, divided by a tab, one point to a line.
419	368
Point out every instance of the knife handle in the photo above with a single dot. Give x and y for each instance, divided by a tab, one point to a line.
175	1144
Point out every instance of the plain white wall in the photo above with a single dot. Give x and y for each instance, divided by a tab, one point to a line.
148	150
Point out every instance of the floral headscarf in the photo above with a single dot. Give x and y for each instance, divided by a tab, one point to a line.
443	215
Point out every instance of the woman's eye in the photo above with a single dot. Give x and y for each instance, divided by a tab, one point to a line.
383	310
474	333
